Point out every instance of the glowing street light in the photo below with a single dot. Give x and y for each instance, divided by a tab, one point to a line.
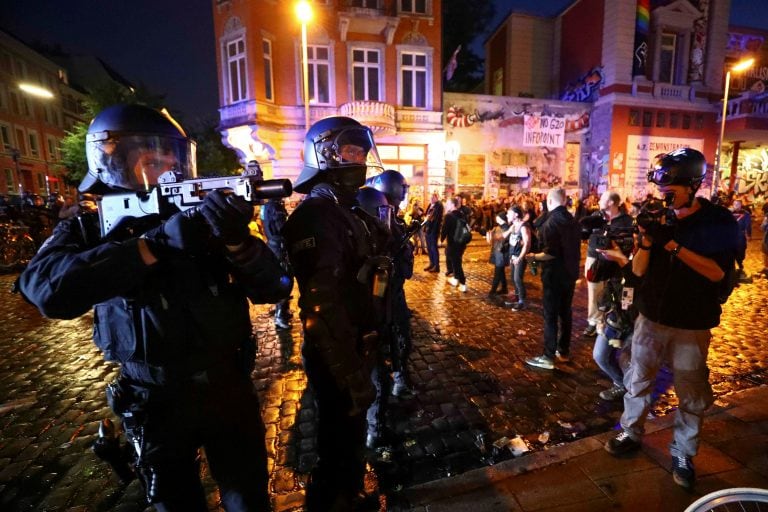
304	14
36	90
736	68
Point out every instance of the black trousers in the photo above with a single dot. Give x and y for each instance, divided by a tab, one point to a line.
338	476
557	288
454	253
225	419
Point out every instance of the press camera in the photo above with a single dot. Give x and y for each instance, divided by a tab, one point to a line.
657	211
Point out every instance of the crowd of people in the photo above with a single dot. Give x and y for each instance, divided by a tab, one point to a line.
657	273
163	285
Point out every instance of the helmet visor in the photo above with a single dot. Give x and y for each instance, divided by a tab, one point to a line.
135	162
351	147
661	176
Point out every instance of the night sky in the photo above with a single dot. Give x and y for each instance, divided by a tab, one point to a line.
169	44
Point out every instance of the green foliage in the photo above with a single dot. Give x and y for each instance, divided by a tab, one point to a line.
213	157
464	21
73	154
100	97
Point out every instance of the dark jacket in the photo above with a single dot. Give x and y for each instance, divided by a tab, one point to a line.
449	226
435	218
328	246
671	292
163	322
560	237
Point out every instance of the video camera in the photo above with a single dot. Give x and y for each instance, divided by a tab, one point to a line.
174	193
624	238
657	211
595	227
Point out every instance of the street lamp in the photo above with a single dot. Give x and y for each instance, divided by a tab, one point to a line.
736	68
36	90
304	13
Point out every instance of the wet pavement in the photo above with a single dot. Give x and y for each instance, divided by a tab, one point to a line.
472	390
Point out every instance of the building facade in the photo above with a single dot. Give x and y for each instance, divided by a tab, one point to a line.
377	61
653	71
32	126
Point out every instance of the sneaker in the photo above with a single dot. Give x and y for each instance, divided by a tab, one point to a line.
590	331
562	358
682	471
282	323
428	269
463	288
519	306
613	393
401	390
448	274
541	362
453	281
434	270
621	444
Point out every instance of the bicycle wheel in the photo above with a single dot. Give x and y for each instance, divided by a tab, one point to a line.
8	255
742	499
26	249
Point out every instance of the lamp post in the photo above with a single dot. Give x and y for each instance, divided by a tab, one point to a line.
736	68
304	13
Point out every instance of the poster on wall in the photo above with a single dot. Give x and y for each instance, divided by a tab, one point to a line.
471	170
642	151
572	164
543	131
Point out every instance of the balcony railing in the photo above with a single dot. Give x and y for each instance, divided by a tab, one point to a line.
746	105
353	17
378	116
673	92
238	113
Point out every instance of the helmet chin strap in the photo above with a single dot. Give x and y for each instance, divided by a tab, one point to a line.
669	199
347	183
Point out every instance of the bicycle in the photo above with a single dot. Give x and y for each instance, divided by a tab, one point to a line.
742	499
16	246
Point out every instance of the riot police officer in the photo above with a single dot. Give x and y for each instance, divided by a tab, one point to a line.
395	188
273	217
329	248
375	204
170	297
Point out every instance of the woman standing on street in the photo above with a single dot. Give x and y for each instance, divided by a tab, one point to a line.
519	246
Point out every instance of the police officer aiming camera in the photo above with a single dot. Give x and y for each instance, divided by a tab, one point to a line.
170	300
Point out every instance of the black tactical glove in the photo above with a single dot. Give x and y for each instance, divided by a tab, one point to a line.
182	233
660	233
228	216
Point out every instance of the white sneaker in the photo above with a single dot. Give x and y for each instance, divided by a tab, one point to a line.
453	281
463	288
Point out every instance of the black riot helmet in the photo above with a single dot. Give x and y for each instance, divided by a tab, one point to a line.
375	204
338	150
129	146
684	166
392	184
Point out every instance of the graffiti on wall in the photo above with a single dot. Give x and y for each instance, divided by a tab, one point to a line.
751	175
458	117
699	42
586	87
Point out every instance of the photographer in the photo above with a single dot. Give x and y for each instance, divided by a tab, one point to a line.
609	221
170	298
685	254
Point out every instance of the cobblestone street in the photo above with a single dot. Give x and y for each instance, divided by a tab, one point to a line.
472	388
